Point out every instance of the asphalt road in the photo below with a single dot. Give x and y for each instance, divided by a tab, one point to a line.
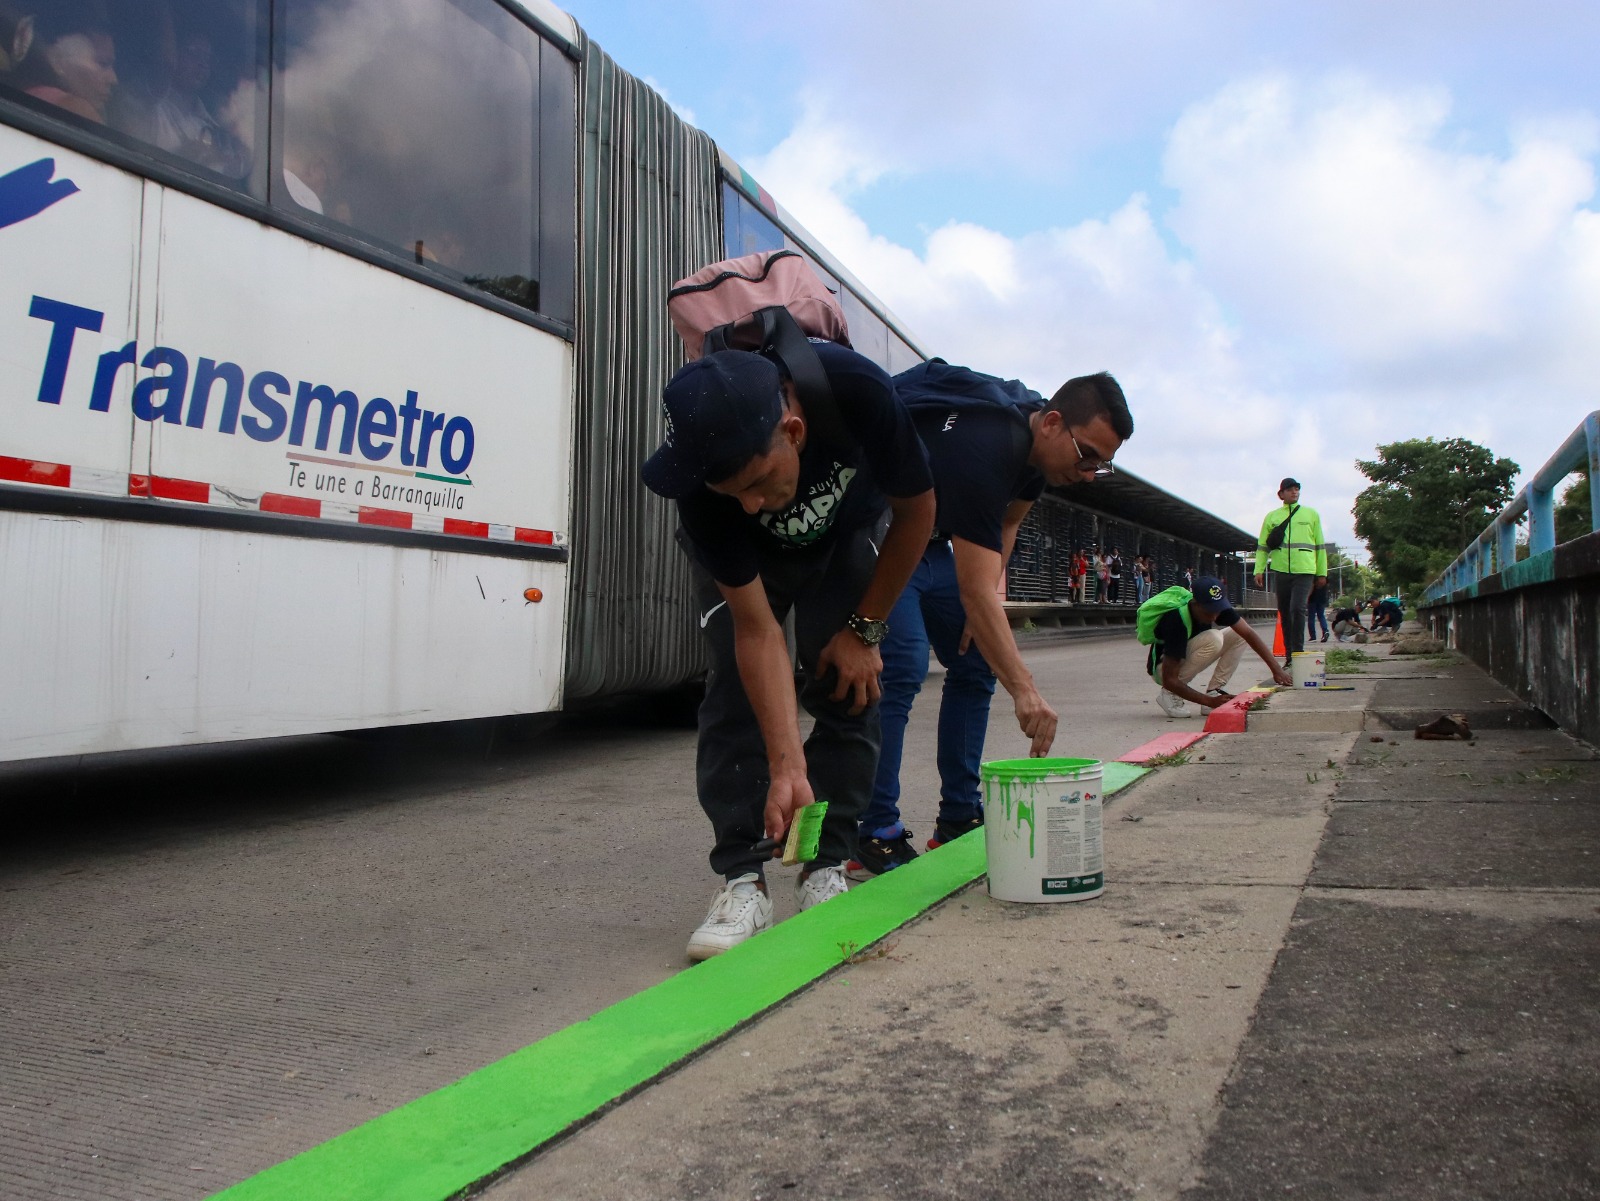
211	959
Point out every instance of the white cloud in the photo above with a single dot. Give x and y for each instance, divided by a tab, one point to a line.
1348	274
1336	214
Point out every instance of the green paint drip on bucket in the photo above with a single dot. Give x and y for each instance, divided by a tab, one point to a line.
1017	811
1063	797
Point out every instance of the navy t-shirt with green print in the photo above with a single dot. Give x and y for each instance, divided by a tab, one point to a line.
844	480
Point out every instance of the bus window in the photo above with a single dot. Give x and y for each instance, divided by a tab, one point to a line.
901	356
174	76
868	334
415	123
745	228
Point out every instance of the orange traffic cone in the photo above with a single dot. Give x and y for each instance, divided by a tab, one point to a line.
1277	638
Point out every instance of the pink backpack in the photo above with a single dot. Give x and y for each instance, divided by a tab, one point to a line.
719	307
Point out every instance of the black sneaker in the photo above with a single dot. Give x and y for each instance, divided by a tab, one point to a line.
944	832
874	856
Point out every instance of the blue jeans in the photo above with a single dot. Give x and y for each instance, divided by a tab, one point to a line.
1314	614
929	613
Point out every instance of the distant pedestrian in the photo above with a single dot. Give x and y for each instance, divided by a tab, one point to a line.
1114	576
1290	543
1080	576
1317	611
1102	576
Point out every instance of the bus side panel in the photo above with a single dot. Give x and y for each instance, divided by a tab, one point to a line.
375	391
186	359
69	242
119	635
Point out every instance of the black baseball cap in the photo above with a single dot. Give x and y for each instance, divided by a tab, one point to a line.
1288	483
1210	595
721	411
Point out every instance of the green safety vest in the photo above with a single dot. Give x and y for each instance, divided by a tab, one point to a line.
1157	607
1303	552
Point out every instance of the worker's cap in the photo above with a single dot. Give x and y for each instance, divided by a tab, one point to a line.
1288	482
721	411
1210	595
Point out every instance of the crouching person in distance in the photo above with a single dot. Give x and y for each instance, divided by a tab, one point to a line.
1181	629
778	515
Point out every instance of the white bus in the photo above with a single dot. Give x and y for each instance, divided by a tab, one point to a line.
331	337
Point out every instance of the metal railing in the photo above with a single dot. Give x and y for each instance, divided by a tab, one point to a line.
1495	549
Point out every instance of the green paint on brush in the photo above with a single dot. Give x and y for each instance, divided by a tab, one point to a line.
443	1143
805	834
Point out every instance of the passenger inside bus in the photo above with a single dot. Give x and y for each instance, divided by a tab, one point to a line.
73	66
170	110
435	239
16	37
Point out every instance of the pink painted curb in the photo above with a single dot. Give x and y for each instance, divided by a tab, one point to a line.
1156	748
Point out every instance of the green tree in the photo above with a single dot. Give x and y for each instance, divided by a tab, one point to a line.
1572	511
1349	581
1428	499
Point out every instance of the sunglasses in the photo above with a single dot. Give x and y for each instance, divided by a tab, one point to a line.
1093	462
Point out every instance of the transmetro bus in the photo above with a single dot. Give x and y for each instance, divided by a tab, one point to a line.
331	337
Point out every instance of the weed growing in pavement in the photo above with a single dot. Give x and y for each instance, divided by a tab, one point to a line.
1343	662
1563	773
1175	759
851	952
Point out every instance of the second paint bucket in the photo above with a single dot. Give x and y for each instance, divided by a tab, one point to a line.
1042	829
1309	669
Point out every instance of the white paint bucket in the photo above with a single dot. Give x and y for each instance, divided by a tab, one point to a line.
1042	829
1309	669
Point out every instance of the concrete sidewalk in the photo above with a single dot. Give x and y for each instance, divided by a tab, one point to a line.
1331	962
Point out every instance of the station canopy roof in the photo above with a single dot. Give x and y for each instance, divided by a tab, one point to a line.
1123	496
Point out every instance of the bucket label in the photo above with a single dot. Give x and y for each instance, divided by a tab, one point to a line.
1072	832
1065	886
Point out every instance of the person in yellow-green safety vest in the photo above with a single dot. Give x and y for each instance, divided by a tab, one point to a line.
1291	543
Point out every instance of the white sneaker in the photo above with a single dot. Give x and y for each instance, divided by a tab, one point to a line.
821	885
739	911
1172	705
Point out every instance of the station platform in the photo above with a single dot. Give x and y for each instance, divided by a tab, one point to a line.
1330	961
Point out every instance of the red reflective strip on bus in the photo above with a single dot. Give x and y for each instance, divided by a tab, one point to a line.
296	506
170	489
469	529
31	471
389	517
544	537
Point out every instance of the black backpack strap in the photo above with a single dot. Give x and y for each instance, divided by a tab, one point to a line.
773	332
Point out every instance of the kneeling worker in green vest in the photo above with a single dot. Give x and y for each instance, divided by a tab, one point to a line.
1181	629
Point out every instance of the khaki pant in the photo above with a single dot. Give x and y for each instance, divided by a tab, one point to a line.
1223	647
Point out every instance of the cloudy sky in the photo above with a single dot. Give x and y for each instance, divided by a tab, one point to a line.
1292	231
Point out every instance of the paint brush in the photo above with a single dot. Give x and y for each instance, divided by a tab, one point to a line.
805	833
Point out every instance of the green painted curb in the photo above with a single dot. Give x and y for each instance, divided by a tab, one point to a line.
443	1143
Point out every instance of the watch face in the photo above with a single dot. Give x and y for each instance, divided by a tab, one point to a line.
870	632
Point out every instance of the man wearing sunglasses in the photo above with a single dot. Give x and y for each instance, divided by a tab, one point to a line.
991	458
